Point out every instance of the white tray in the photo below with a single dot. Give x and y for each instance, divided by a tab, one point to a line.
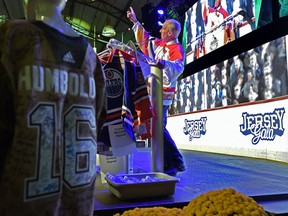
164	186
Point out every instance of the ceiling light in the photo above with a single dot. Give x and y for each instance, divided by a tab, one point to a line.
108	30
79	25
160	12
160	23
2	18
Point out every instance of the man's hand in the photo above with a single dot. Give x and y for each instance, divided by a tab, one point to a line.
132	16
160	63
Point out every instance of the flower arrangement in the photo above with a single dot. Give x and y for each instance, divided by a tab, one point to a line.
153	211
224	202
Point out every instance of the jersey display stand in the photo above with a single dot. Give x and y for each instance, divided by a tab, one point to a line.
157	145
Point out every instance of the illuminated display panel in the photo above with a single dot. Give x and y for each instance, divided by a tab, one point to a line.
211	24
257	74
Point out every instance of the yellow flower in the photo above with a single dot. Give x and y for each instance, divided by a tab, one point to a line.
223	202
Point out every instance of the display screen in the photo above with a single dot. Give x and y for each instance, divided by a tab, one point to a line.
210	24
258	74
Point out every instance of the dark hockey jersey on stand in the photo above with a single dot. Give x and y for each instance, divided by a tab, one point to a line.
127	98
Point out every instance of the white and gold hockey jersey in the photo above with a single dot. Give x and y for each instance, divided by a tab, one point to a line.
52	89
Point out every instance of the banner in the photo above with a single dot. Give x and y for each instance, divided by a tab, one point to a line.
256	129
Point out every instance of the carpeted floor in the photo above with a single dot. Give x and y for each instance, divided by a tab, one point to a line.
265	181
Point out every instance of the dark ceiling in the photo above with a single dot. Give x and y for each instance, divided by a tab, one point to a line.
95	13
90	16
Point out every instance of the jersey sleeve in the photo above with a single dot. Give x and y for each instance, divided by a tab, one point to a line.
7	120
142	37
101	101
